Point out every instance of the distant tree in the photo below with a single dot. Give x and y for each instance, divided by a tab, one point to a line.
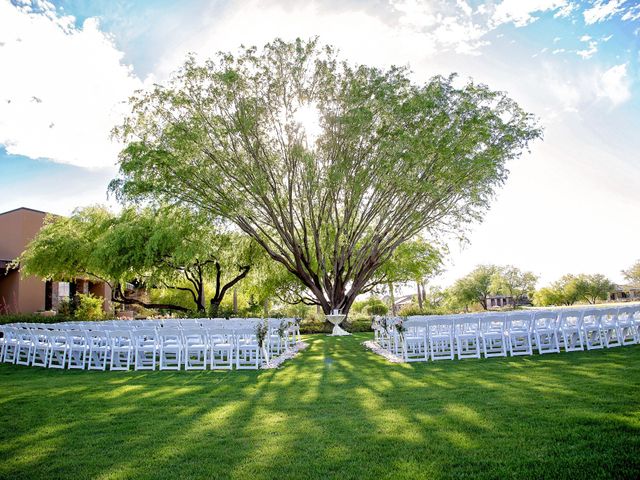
513	282
415	260
632	275
595	287
475	287
155	248
571	288
391	159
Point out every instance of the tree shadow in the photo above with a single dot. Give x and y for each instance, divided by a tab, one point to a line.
335	410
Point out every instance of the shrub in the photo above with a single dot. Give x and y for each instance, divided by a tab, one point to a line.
89	307
377	308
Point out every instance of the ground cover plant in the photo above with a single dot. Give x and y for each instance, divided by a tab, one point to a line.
334	411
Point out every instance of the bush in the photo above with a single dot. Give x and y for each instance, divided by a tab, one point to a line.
413	309
89	307
377	308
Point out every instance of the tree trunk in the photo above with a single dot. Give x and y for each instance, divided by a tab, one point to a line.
235	301
265	307
419	295
392	298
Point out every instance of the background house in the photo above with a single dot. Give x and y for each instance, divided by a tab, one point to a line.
28	294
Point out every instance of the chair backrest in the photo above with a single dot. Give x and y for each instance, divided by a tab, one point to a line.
193	336
493	323
145	336
545	319
467	325
519	322
120	338
570	318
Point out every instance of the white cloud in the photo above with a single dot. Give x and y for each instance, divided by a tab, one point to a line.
585	38
62	86
602	10
567	10
633	13
614	84
520	12
588	52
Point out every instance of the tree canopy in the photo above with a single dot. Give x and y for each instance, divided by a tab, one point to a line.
389	159
632	274
570	289
156	248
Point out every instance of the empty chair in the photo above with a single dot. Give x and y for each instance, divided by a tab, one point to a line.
41	348
519	334
441	339
571	328
591	329
493	334
99	350
627	328
24	347
467	336
247	349
145	348
121	347
221	347
10	345
415	346
78	349
545	331
609	327
171	351
196	349
59	349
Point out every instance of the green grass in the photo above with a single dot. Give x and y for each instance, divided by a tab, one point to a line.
335	411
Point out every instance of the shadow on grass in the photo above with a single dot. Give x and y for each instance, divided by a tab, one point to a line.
334	411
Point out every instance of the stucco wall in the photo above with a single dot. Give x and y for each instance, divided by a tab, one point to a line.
9	292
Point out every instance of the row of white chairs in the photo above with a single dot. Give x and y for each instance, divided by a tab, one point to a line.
423	338
119	345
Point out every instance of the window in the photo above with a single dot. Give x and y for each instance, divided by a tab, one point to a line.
63	289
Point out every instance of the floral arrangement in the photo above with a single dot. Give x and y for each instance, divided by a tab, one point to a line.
262	331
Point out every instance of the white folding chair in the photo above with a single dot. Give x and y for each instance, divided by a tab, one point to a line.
41	348
571	328
145	348
171	348
59	349
196	348
415	346
467	333
78	349
99	350
221	344
441	339
591	329
24	347
545	331
247	349
519	334
10	345
121	343
493	334
627	328
609	326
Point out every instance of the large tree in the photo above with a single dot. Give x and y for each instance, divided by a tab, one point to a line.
170	248
389	159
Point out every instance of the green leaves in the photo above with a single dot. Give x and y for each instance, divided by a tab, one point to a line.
394	160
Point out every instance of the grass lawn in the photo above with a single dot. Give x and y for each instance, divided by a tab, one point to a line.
335	411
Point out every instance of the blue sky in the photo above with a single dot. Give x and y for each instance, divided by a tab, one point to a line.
571	205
